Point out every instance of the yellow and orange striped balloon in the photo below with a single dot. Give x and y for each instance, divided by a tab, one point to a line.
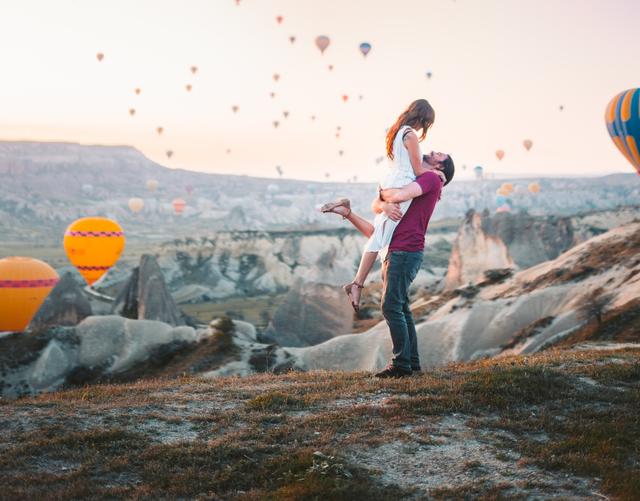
93	245
623	123
24	285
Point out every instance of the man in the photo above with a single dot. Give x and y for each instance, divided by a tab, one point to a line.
404	258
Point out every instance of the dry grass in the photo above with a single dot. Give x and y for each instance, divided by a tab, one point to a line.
255	438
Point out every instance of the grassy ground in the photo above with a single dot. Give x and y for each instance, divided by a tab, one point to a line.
561	423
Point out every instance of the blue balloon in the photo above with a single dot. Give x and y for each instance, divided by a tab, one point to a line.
365	47
623	123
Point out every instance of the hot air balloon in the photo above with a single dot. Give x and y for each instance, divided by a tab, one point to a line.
360	96
152	185
340	152
275	124
178	205
508	187
365	47
279	19
99	56
228	151
285	114
292	39
534	188
189	189
345	98
561	107
24	285
272	94
169	153
622	117
338	127
500	154
159	130
429	74
528	143
137	90
478	171
330	67
136	204
188	87
276	77
132	111
313	117
194	70
337	135
93	245
326	175
279	170
322	42
235	109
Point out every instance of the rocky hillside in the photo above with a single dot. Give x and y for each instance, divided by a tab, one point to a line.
47	185
562	424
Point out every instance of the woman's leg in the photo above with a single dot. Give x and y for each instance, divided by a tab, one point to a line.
360	223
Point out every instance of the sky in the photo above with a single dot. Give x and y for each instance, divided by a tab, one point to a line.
500	70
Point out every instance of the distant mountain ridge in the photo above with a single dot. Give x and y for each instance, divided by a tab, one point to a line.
47	185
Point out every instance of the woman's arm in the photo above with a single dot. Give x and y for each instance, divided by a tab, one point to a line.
410	141
390	209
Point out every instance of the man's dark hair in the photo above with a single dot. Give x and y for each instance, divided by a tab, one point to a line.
448	169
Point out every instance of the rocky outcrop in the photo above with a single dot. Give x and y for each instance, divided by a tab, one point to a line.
145	295
310	314
505	240
66	305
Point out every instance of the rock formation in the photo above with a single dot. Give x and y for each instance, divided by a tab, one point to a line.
66	305
310	314
145	295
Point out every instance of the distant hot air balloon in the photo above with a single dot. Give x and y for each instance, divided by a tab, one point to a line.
500	154
365	48
622	117
132	111
189	189
194	69
464	166
169	153
340	152
561	107
338	127
326	175
429	74
528	143
275	124
178	205
322	42
228	151
478	171
279	170
285	114
272	94
508	187
99	56
93	245
502	192
235	108
313	117
345	98
136	205
24	285
360	96
337	135
534	188
276	77
279	19
330	67
137	90
159	130
292	39
152	185
188	87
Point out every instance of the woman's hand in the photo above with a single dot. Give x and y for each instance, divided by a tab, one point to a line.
392	211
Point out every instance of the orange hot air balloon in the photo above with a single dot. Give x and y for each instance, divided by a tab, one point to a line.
137	90
188	87
152	185
528	143
500	154
132	111
178	205
93	245
276	77
24	285
194	69
279	19
136	204
99	56
345	98
159	130
534	188
508	187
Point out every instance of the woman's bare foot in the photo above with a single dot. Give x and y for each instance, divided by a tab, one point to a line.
341	207
353	290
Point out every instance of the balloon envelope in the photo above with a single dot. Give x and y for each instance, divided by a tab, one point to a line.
99	56
136	204
623	123
322	42
152	185
500	154
528	143
24	285
93	245
178	205
534	188
365	48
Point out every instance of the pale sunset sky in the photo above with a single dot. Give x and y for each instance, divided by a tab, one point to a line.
501	69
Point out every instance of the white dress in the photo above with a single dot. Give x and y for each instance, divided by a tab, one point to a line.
399	174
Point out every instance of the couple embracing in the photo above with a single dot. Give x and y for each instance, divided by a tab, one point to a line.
407	196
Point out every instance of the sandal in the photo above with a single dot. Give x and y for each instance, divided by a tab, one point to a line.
348	290
331	206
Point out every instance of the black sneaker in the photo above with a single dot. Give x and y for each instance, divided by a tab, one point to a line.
393	372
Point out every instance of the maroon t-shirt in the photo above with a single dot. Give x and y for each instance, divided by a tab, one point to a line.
410	232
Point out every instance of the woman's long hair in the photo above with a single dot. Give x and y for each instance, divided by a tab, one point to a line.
419	115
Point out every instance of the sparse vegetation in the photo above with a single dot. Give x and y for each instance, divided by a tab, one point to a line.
298	435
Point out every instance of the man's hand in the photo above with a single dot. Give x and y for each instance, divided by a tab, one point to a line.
392	211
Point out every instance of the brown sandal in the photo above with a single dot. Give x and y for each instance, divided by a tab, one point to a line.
348	290
331	206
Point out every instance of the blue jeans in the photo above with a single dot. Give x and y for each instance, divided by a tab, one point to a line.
398	271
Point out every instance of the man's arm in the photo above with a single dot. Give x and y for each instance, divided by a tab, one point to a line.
399	195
